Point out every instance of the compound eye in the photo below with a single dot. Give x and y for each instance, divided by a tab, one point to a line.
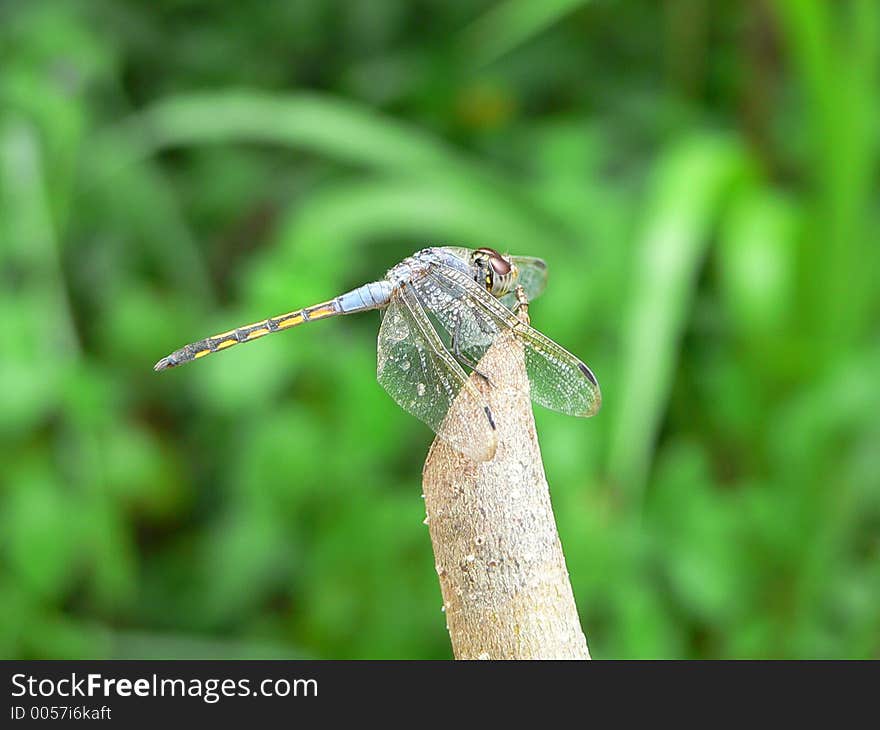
500	265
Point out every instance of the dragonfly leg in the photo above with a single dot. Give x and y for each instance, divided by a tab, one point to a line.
462	357
522	304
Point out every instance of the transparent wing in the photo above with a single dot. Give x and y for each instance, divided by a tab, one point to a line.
424	379
474	318
532	278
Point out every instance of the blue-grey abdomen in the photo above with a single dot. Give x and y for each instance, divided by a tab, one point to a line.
375	295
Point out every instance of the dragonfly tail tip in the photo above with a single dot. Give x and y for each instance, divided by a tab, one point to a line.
163	364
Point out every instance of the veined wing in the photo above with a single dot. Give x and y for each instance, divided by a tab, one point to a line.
423	377
474	318
532	278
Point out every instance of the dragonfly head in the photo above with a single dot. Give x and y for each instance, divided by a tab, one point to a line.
494	271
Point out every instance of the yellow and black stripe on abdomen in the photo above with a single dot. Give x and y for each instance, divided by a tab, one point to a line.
247	333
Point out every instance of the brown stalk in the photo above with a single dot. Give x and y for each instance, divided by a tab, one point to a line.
506	590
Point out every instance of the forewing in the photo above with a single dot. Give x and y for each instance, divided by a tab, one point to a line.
426	381
532	278
558	379
473	318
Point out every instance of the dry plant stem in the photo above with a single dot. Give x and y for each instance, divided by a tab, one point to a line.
506	590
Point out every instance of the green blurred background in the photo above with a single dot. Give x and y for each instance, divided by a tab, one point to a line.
701	178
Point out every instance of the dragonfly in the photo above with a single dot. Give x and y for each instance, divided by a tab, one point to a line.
442	308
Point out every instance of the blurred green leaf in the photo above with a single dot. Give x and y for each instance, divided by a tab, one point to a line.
688	189
510	23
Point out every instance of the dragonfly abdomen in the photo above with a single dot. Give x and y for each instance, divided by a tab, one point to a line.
374	295
369	296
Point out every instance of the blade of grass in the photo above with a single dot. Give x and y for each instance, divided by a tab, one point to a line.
686	193
340	130
509	24
835	50
334	128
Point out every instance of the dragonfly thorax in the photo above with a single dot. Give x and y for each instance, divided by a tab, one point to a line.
491	270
